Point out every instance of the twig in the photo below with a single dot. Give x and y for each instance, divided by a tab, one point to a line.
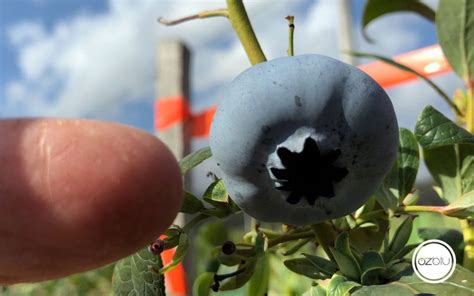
205	14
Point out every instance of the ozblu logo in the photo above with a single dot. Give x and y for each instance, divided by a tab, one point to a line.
434	261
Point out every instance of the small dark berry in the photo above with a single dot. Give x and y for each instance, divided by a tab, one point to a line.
228	248
157	247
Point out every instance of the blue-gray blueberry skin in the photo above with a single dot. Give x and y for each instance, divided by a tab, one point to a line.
282	103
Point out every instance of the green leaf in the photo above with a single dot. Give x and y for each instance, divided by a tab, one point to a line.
138	275
317	290
304	267
460	283
202	284
340	286
342	244
347	265
462	207
396	271
298	245
400	238
217	192
405	251
411	198
178	254
194	159
261	244
191	204
452	167
371	237
398	183
455	25
241	279
391	62
258	284
408	160
326	266
385	192
434	130
372	263
376	8
452	237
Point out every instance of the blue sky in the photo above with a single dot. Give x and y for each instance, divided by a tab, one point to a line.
95	59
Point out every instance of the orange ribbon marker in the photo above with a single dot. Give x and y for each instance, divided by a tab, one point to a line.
428	61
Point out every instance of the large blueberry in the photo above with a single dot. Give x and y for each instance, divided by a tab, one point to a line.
303	139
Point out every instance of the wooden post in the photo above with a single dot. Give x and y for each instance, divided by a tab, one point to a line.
345	30
173	82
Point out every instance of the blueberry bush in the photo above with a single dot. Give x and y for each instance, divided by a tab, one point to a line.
309	147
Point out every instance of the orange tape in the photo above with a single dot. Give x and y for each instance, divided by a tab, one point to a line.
172	110
428	61
201	123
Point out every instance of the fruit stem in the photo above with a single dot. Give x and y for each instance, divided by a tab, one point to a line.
430	209
466	225
290	237
291	30
241	24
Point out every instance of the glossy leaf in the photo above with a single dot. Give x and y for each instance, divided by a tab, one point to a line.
460	283
396	271
191	204
384	195
305	267
178	254
317	290
400	238
372	263
399	182
455	25
408	160
258	284
376	8
434	130
202	284
217	192
340	286
347	264
411	198
241	279
452	167
342	244
194	159
326	266
405	251
138	275
372	236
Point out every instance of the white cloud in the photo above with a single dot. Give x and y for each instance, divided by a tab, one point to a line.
84	65
92	64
